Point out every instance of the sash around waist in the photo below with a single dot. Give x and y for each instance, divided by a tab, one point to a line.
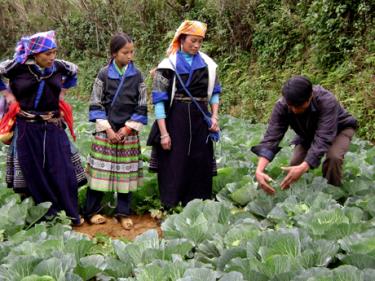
184	98
46	116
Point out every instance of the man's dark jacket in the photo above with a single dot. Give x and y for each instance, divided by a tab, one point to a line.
316	128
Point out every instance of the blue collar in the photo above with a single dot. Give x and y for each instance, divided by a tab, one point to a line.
183	67
187	57
113	73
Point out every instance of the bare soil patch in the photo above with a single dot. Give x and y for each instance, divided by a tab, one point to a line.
113	229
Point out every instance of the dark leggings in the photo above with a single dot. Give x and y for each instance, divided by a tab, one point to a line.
94	198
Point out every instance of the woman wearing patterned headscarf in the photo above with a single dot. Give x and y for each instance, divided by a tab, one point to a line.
40	158
183	153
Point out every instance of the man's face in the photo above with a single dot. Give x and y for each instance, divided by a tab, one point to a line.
300	108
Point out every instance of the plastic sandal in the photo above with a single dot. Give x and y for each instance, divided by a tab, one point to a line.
126	223
97	219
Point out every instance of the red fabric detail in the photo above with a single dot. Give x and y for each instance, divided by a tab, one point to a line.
8	120
67	113
7	123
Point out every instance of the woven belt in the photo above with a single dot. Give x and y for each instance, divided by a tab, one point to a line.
184	98
50	117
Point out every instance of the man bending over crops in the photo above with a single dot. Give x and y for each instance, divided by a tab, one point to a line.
322	125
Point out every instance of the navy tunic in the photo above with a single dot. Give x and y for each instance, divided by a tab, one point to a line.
185	172
43	148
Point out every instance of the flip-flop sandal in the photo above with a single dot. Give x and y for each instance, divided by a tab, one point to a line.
81	222
97	219
126	223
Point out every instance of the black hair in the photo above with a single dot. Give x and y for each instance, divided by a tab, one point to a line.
182	37
118	41
297	90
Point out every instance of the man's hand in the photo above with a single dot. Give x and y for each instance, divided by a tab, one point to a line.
263	179
294	173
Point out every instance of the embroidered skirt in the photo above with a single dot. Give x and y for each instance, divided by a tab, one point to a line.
115	167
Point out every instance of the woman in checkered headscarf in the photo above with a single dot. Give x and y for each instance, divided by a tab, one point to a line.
40	160
183	153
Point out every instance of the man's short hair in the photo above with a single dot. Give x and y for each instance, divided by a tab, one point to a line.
297	90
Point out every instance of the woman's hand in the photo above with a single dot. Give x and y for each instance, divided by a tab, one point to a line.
166	142
9	97
63	92
112	136
123	132
165	139
215	124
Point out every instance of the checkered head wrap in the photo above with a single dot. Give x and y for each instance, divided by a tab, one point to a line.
34	44
188	27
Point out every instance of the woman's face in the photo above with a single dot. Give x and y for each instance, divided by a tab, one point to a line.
192	44
46	58
124	55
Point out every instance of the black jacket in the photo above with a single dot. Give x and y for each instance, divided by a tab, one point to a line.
315	128
129	104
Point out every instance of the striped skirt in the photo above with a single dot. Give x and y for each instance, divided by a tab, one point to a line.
115	167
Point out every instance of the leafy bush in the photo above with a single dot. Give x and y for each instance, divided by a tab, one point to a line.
257	44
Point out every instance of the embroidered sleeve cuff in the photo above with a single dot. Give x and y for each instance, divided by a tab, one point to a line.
214	99
139	118
159	96
96	114
101	125
134	125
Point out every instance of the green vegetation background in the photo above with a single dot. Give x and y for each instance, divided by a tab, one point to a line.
258	44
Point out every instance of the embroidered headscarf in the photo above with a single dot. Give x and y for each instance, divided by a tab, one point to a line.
188	27
34	44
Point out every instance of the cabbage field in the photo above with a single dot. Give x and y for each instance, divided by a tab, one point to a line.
313	231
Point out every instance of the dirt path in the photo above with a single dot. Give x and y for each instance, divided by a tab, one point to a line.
113	229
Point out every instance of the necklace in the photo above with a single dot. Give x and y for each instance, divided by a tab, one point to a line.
37	76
